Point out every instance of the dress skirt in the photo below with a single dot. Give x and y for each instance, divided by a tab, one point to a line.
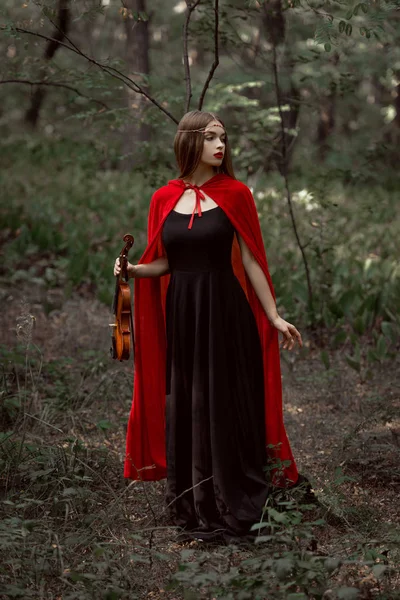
215	426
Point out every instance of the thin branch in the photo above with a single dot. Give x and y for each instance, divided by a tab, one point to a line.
286	179
190	9
321	13
60	29
164	510
54	84
112	71
44	422
216	55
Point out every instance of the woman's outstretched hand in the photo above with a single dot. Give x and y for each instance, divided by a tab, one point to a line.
290	333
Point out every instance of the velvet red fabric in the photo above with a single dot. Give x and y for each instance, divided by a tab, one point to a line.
145	443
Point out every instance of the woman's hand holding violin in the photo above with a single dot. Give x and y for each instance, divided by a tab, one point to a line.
131	269
290	333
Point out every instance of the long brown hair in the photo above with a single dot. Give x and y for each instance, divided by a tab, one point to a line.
188	145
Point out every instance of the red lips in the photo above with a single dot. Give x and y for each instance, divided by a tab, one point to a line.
218	155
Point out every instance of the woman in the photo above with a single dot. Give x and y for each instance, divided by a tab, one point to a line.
207	405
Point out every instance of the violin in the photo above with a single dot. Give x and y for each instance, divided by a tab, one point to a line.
122	328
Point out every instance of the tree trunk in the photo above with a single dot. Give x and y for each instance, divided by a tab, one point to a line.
326	123
274	27
137	58
396	121
63	22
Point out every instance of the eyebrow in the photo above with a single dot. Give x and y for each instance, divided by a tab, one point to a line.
213	133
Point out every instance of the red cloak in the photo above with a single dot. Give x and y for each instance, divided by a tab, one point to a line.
145	443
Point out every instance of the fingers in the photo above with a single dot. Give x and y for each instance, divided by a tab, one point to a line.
288	341
117	268
291	335
297	335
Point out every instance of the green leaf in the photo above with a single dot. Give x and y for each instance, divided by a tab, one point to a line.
327	47
389	330
340	338
189	595
359	324
104	425
347	593
187	553
332	563
75	576
349	14
342	25
349	300
283	567
353	338
277	516
325	359
71	491
353	362
364	7
349	29
257	526
336	309
381	347
139	559
378	570
14	591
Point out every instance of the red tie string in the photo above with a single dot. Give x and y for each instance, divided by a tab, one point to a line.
199	196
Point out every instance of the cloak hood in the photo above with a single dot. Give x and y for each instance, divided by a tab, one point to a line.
145	443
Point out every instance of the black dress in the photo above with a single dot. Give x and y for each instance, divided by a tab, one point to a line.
215	431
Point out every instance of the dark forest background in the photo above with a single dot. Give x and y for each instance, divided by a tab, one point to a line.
90	95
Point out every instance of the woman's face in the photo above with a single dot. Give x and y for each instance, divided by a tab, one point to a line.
214	144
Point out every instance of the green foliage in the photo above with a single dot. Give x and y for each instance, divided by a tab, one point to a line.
61	495
68	212
284	566
55	523
355	278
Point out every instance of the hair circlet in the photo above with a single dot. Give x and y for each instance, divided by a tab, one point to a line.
202	129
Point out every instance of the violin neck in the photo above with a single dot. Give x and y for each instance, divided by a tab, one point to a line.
123	275
124	264
115	299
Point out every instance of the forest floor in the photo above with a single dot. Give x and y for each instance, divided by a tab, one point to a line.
93	528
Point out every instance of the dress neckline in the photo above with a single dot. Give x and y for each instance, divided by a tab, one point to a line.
189	214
